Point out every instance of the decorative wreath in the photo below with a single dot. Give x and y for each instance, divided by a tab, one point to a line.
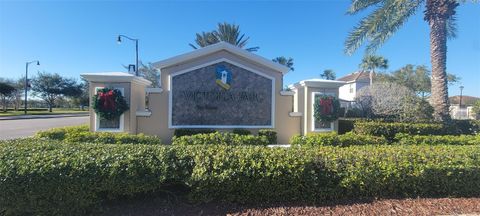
326	108
109	103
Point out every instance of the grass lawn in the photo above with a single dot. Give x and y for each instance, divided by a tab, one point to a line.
56	111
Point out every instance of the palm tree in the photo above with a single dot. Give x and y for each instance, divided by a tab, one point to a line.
388	16
328	74
226	32
284	61
371	62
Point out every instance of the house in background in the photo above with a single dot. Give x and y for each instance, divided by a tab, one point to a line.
354	82
465	111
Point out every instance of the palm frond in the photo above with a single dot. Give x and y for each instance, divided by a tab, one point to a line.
229	33
193	46
359	5
253	49
381	24
452	27
396	14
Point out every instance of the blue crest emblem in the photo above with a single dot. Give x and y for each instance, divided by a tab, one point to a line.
223	77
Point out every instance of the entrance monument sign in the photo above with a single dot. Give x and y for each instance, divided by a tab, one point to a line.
221	95
220	87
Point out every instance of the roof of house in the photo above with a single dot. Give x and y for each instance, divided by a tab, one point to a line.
466	100
222	46
355	76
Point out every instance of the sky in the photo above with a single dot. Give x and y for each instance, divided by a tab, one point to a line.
71	38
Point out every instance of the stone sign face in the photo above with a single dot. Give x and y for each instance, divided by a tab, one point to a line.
221	95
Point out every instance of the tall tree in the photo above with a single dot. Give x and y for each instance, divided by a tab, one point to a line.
82	100
6	90
149	72
388	16
416	78
288	62
372	62
51	86
328	74
225	32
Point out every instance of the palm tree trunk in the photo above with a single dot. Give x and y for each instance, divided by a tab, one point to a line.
438	58
372	72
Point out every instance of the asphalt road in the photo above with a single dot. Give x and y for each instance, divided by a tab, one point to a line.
17	128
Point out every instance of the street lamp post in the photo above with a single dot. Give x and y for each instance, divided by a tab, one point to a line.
26	82
461	91
119	40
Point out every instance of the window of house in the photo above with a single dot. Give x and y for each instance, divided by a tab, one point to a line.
351	88
113	125
319	126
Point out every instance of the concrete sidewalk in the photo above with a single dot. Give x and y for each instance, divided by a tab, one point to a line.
42	116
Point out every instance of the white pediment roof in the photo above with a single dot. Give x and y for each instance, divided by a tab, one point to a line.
320	83
114	77
218	47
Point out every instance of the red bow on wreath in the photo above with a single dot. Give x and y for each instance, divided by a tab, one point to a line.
327	105
107	100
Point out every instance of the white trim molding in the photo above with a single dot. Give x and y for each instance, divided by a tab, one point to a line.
144	113
121	119
170	99
287	93
108	77
222	46
295	114
332	124
153	90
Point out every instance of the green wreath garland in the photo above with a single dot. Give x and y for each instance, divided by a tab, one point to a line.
109	103
326	108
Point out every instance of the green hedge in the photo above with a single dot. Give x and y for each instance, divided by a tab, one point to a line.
241	131
189	132
40	177
466	126
45	177
389	130
345	125
220	138
270	134
75	134
407	139
333	139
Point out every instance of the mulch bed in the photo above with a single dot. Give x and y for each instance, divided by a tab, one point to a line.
421	206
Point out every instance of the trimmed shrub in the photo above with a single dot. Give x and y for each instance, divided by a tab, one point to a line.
241	131
270	134
333	139
407	139
188	132
219	138
255	174
59	133
466	127
389	130
43	177
345	125
82	134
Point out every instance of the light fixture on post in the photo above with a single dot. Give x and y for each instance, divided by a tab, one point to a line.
119	41
26	82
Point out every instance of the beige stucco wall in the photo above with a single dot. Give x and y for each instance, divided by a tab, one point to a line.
157	123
